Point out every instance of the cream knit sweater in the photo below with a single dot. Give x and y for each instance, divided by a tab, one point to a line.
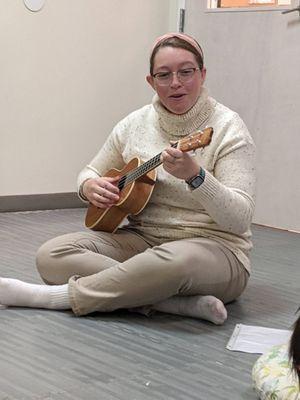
222	207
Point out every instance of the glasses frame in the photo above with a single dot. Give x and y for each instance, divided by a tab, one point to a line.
171	74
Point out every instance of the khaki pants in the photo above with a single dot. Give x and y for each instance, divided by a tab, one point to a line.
110	271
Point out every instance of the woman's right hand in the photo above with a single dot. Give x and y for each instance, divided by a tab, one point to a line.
102	192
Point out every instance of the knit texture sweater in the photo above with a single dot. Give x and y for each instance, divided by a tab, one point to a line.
222	207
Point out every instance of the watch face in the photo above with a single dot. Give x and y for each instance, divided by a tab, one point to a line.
196	182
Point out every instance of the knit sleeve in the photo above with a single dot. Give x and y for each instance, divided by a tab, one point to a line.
228	192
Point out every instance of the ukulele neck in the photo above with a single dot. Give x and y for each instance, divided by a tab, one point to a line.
141	170
198	139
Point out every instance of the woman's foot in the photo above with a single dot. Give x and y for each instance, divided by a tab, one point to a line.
14	292
203	307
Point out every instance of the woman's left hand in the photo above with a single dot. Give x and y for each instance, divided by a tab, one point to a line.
179	164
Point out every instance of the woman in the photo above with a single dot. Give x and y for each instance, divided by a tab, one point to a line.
187	252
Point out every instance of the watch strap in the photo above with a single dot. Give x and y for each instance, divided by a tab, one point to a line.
201	175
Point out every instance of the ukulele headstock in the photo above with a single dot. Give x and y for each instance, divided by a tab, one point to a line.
196	140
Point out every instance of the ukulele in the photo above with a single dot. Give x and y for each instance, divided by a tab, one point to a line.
136	185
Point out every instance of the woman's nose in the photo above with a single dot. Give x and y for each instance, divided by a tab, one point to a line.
175	82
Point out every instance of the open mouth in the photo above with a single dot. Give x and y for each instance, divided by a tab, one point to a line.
177	96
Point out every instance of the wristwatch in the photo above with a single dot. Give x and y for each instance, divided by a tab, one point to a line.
196	180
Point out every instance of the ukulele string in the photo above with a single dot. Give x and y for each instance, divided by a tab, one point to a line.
141	170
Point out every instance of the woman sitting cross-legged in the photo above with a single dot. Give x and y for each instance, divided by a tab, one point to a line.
187	251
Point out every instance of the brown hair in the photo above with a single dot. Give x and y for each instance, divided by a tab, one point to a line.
177	43
295	347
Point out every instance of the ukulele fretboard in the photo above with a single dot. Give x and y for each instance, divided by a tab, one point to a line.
141	170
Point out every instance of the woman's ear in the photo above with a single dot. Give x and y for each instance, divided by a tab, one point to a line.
203	74
150	80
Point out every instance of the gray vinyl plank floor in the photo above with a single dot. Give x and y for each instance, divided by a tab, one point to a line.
123	356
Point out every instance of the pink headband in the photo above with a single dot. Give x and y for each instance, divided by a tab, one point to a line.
182	36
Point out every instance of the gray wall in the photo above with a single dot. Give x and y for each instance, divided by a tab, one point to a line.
253	63
68	74
58	104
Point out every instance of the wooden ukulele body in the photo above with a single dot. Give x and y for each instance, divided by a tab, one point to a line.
133	198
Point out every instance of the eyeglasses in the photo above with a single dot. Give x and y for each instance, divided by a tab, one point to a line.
183	75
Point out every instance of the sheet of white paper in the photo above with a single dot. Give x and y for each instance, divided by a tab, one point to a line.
256	339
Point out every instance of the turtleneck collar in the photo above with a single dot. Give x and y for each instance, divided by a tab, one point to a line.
176	126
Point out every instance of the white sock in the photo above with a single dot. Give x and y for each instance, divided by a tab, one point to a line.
21	294
203	307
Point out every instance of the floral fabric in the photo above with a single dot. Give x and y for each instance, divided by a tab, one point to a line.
273	378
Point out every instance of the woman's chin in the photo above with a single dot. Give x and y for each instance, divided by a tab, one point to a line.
178	109
177	106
